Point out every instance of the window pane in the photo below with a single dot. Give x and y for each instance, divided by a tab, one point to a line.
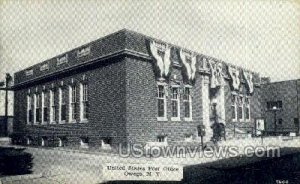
233	112
174	109
30	115
37	115
73	94
85	92
174	93
73	111
186	94
161	109
240	112
247	113
85	110
161	91
53	114
186	109
63	112
232	100
45	114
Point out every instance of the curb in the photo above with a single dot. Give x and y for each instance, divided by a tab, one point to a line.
20	177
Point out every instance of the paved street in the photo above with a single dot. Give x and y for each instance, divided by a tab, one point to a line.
66	166
57	166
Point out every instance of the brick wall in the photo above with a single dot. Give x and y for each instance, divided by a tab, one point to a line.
255	107
288	93
141	91
106	89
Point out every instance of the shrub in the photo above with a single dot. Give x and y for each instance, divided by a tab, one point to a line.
15	161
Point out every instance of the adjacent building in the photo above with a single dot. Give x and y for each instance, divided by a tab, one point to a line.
281	106
130	88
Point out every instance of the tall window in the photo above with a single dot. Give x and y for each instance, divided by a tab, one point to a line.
175	104
72	103
43	106
247	108
241	108
32	116
46	109
59	104
63	105
234	107
84	101
37	109
161	103
29	109
52	106
187	101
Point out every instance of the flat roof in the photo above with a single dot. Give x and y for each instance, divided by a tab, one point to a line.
121	42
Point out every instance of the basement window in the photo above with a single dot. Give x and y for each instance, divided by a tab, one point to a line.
188	138
28	140
84	142
162	138
106	143
43	141
62	141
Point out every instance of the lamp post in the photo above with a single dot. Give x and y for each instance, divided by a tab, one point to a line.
215	125
275	109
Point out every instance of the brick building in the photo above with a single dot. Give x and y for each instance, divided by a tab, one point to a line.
281	103
127	87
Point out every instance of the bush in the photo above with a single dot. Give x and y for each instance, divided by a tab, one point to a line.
15	161
17	139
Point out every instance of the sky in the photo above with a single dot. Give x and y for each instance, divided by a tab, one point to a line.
261	35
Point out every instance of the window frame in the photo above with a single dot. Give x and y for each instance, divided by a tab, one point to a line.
72	103
36	108
42	107
52	107
162	139
241	104
83	102
60	105
29	109
189	100
234	106
164	98
247	108
175	118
